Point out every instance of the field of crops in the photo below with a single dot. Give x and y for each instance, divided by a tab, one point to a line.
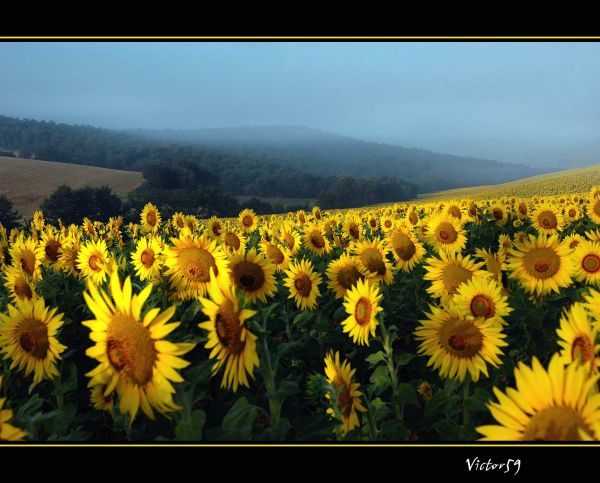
570	181
444	321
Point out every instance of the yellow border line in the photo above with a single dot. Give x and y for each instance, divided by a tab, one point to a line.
298	37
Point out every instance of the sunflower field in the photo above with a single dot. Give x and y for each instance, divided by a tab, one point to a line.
450	320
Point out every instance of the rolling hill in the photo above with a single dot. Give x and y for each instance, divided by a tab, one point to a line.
577	180
27	182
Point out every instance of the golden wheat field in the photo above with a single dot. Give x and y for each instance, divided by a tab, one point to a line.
27	182
455	320
551	184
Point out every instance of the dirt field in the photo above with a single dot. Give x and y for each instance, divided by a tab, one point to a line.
27	182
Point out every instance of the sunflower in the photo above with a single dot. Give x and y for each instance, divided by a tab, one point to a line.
247	220
412	217
303	283
18	284
26	254
456	344
278	255
233	241
362	304
522	209
51	244
134	359
577	337
189	262
38	220
191	223
94	262
150	218
28	337
493	263
592	209
343	274
69	250
253	274
316	213
373	222
231	343
147	258
481	297
372	260
8	432
352	227
386	222
449	271
214	228
572	213
499	214
454	210
405	248
339	375
178	220
586	258
290	238
559	404
445	233
315	239
100	399
573	240
547	220
505	244
542	265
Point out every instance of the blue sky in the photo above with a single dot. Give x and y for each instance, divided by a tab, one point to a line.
537	103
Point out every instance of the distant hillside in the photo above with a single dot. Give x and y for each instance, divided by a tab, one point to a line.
330	154
27	182
577	180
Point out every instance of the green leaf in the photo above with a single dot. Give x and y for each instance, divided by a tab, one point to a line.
267	311
404	359
190	428
381	379
241	417
303	318
286	389
406	394
314	428
376	358
393	430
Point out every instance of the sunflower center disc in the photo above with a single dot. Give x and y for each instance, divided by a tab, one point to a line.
348	276
582	350
344	397
498	213
447	233
22	289
249	276
556	423
374	261
591	263
52	250
522	209
232	241
147	258
453	276
388	223
542	262
289	240
455	212
317	239
461	337
303	285
130	349
28	262
362	312
95	261
548	220
572	213
196	263
33	338
151	218
229	329
275	254
354	232
216	229
247	221
482	306
403	246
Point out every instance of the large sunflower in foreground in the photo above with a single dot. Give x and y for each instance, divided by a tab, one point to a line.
8	432
28	338
362	304
542	265
482	297
586	258
189	262
457	344
560	404
578	336
448	272
231	343
340	375
253	274
303	284
445	233
343	274
150	218
93	261
131	349
405	248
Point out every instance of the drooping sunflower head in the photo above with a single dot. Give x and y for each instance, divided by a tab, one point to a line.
560	404
150	218
542	265
405	248
362	306
316	240
28	338
578	335
303	283
189	263
230	341
372	260
445	233
343	274
253	274
247	220
233	240
339	375
458	344
134	357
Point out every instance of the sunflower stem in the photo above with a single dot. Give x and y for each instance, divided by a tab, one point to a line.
466	389
269	377
389	357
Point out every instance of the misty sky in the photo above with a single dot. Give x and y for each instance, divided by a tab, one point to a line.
518	102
